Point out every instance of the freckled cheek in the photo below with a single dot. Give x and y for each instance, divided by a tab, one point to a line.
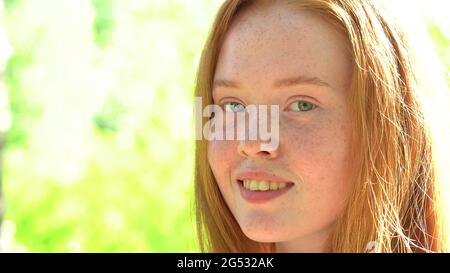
316	150
222	156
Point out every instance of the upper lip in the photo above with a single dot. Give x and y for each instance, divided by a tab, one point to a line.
260	175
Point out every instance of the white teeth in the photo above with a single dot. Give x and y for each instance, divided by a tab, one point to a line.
263	186
274	185
255	185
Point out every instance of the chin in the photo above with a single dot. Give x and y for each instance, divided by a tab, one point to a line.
262	230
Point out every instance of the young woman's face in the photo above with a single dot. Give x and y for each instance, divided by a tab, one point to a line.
262	47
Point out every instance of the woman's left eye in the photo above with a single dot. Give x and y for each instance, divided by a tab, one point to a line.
302	106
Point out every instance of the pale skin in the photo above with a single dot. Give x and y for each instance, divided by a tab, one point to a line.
263	46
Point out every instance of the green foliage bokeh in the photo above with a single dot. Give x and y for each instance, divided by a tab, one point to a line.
100	92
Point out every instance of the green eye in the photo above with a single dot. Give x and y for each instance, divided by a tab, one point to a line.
302	106
234	107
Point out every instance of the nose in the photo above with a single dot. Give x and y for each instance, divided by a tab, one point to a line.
254	149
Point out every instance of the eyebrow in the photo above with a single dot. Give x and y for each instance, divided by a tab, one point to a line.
287	82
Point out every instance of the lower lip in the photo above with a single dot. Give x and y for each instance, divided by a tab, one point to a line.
261	196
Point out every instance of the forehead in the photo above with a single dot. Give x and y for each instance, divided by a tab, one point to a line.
277	42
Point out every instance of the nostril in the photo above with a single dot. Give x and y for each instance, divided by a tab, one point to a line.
264	153
254	148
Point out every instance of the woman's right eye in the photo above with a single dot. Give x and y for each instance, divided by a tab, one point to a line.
234	107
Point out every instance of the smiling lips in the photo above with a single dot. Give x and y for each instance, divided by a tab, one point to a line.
259	186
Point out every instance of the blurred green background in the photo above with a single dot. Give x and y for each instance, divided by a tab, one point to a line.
99	95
